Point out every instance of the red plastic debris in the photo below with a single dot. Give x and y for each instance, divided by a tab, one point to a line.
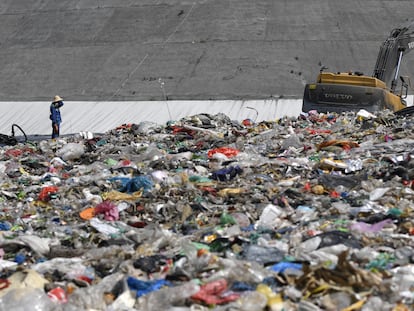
58	295
47	192
247	122
215	293
307	187
317	131
227	151
85	278
13	152
334	194
4	283
178	130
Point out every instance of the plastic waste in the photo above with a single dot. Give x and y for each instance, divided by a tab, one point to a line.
227	151
251	301
370	228
86	135
145	287
131	185
274	300
22	299
281	267
47	193
104	227
270	217
58	295
215	293
172	297
263	255
316	210
124	301
71	151
108	209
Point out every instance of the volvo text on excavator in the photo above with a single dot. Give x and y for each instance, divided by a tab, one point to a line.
343	91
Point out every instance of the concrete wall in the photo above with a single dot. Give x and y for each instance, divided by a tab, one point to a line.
100	117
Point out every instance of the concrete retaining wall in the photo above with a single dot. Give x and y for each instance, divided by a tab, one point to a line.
99	117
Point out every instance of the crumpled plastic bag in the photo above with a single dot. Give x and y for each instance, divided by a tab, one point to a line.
109	209
146	287
37	244
71	151
134	184
103	227
227	151
24	279
364	227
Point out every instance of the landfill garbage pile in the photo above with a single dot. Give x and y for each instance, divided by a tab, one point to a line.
206	213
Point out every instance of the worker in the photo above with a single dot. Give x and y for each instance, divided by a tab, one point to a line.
55	115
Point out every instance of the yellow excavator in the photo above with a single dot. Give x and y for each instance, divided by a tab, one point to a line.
350	91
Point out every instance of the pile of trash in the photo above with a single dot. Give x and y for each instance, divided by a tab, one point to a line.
208	213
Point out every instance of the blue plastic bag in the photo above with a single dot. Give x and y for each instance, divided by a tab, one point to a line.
134	184
146	287
281	267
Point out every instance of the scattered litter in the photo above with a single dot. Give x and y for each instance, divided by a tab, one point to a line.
207	213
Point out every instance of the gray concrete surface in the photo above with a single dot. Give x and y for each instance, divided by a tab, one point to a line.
124	50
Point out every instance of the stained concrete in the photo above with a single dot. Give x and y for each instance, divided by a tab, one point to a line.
124	50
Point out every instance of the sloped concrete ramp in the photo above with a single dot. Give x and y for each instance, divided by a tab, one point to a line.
124	50
106	52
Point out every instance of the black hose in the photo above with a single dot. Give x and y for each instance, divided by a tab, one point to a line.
21	130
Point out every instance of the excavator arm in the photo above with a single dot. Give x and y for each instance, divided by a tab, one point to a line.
392	50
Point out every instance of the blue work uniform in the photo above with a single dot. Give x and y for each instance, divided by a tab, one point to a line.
55	117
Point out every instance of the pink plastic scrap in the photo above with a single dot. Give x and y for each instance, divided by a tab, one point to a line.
215	293
365	227
109	209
